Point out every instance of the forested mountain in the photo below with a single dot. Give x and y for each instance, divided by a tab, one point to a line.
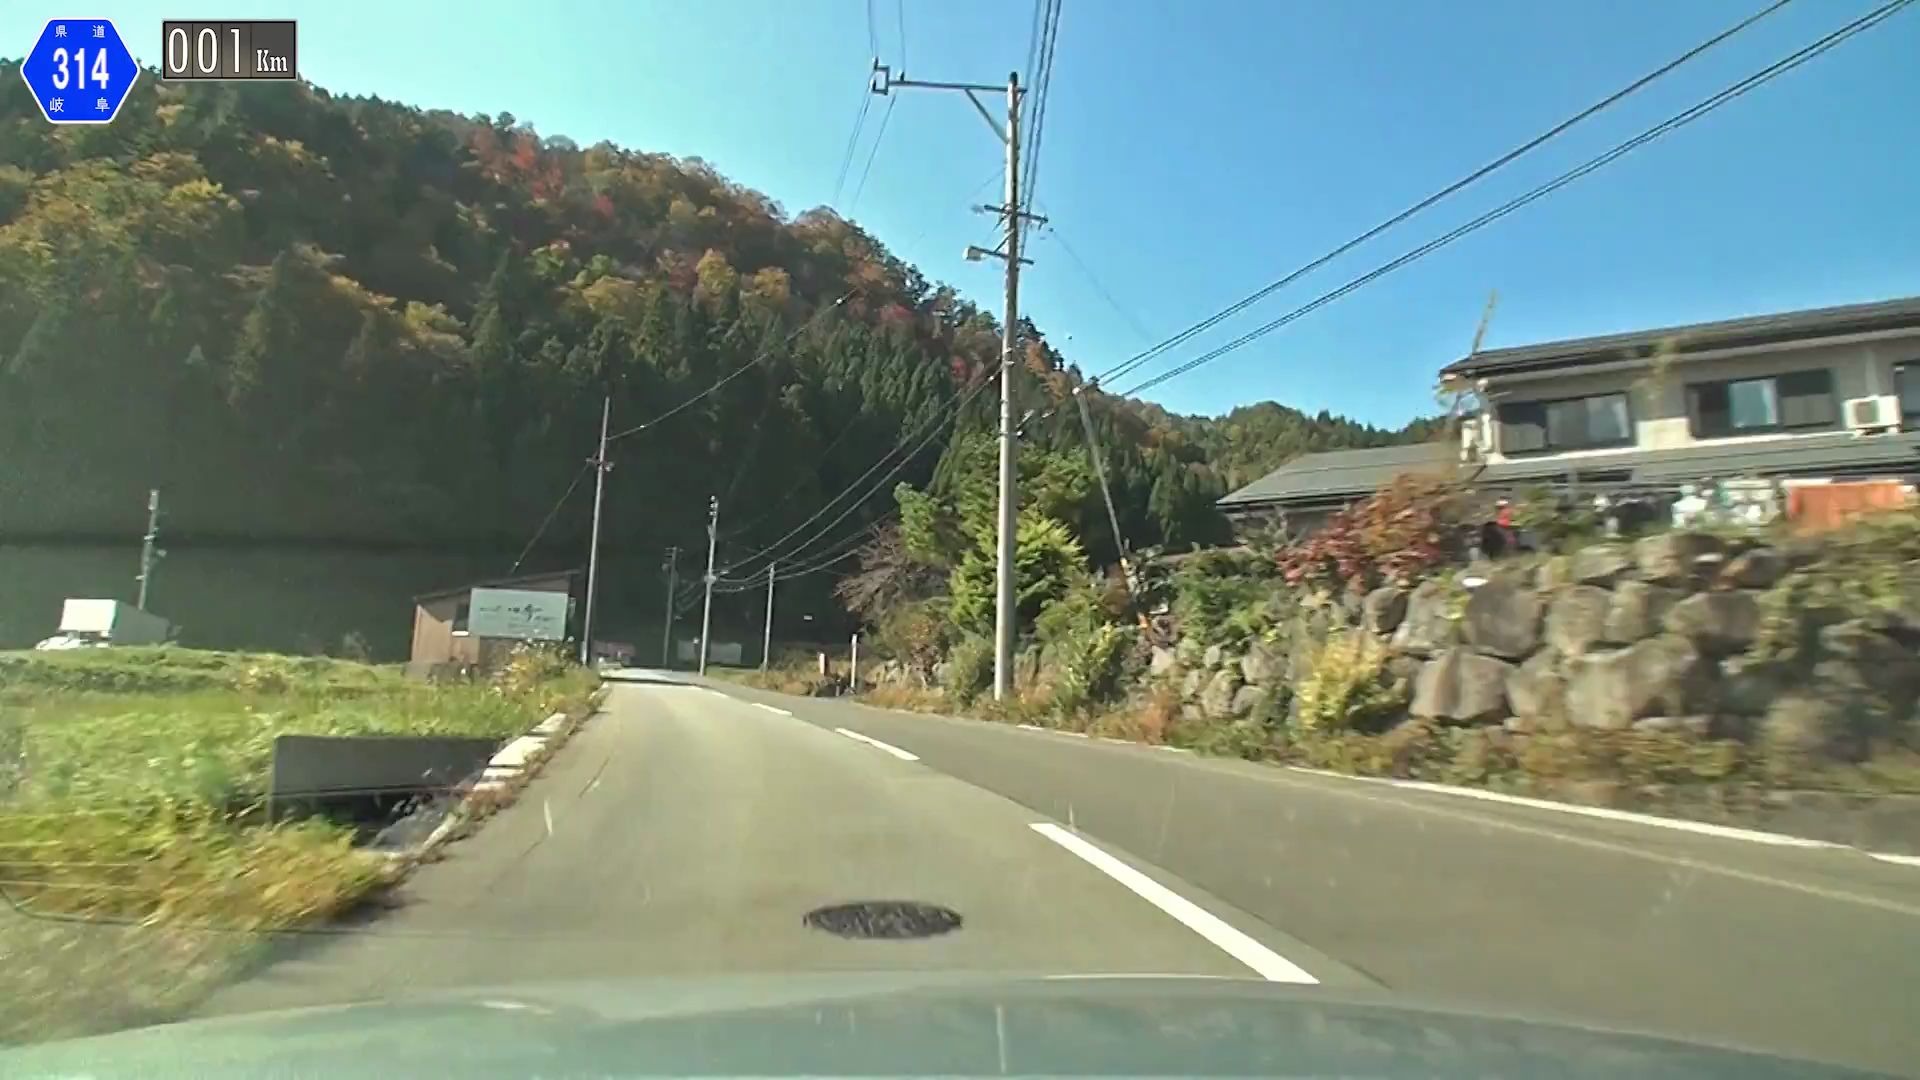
337	320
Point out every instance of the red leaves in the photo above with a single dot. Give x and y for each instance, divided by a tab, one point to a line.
1394	535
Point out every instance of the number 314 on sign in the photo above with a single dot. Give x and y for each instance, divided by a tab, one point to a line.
79	71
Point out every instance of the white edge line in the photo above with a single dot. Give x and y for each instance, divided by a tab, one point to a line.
1265	962
1724	832
1898	860
770	708
877	744
1031	727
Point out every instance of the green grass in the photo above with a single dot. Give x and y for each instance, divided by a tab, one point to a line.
127	780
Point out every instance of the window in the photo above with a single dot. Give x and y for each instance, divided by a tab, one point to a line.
1906	378
1800	399
1569	424
460	617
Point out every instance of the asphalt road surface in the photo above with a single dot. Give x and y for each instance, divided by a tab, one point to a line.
690	829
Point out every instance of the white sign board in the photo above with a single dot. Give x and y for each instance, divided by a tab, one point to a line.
520	614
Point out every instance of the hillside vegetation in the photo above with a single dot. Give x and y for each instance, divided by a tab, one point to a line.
326	319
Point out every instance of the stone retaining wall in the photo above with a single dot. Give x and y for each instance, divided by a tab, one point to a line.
1653	635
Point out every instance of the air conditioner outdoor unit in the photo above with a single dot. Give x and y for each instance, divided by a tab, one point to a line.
1864	414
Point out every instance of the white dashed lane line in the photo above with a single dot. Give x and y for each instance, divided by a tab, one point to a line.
1268	964
877	744
770	708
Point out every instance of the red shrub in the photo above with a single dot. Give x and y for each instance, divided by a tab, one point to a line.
1394	536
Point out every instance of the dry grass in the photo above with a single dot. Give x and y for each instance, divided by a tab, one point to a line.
907	698
796	680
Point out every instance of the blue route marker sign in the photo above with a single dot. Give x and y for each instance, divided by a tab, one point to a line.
79	71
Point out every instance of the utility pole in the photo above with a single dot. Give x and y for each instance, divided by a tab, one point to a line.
1013	219
766	641
666	638
148	554
601	466
713	539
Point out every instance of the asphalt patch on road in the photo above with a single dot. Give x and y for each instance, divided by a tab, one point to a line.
884	920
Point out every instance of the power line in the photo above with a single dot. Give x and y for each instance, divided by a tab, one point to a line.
1042	93
885	115
873	38
900	23
853	140
1087	272
839	551
931	427
548	520
1140	358
1033	39
1678	120
735	373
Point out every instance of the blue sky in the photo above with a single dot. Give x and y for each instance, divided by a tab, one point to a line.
1195	151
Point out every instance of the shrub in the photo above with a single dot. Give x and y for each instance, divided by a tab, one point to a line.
1864	568
1346	687
1395	536
969	668
917	635
1634	757
1408	750
353	646
1222	598
1047	560
529	668
1556	522
1091	663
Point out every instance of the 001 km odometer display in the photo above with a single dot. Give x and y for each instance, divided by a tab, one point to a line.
228	50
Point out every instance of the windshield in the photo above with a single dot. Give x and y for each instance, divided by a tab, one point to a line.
668	511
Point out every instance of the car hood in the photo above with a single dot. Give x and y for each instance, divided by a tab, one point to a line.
891	1024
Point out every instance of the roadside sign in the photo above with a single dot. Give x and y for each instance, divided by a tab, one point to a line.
520	614
79	71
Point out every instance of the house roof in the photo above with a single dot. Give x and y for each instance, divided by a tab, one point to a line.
1901	314
499	583
1340	474
1836	454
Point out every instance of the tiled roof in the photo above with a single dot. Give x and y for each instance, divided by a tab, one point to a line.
1902	314
1340	473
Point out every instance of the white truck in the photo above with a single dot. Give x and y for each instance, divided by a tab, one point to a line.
87	624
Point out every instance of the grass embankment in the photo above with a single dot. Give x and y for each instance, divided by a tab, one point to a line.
136	864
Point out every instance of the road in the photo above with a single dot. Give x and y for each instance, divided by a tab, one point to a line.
689	829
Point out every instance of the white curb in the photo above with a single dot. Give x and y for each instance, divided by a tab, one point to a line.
510	768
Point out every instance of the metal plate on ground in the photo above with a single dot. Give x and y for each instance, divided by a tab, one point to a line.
884	920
